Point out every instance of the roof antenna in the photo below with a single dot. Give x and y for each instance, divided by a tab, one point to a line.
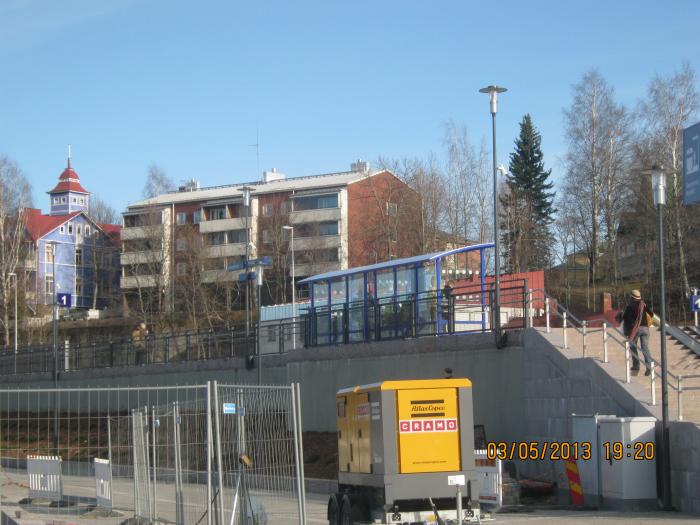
69	156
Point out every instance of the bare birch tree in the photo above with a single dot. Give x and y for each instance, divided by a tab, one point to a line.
15	198
157	182
670	105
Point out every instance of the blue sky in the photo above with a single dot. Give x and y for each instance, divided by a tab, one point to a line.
187	85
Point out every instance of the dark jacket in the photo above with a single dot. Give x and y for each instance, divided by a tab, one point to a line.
629	316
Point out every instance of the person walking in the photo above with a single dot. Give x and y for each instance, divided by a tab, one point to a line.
448	306
636	319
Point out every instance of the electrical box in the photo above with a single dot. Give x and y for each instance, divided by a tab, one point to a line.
621	473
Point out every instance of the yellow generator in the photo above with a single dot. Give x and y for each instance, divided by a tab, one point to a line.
405	453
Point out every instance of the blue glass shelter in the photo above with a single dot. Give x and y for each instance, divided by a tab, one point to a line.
393	299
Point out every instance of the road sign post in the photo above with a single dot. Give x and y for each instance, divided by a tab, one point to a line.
695	305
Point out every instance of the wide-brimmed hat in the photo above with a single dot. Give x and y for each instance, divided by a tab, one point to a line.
635	294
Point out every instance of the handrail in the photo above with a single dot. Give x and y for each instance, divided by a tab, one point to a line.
610	332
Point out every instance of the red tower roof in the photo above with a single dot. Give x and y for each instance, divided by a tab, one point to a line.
69	181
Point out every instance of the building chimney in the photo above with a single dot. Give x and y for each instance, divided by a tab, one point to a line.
360	165
272	175
190	185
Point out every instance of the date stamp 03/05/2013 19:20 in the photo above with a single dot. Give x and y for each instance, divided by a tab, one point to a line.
573	451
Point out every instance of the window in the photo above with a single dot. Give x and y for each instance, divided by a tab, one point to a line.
49	253
217	238
62	229
266	237
180	245
328	255
217	213
236	237
181	268
197	216
267	210
284	207
87	230
48	284
56	200
78	256
316	202
70	228
392	209
75	200
328	228
78	285
82	200
79	229
63	200
181	217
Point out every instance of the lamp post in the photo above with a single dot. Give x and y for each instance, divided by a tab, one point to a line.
493	92
246	204
658	185
55	346
294	293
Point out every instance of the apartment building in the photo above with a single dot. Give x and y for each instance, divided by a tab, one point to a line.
338	220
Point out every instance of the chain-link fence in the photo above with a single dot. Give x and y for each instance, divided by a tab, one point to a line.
165	454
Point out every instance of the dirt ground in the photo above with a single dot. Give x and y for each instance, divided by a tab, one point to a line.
320	455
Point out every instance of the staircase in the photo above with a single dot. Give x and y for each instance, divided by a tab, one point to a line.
683	363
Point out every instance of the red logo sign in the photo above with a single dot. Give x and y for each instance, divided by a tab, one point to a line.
427	425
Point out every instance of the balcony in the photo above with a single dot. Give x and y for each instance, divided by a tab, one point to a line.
316	243
304	270
224	250
221	225
141	281
152	256
142	232
218	276
323	214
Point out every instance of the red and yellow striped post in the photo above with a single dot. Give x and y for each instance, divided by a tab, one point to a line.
574	483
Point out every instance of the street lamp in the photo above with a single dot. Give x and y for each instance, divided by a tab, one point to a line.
55	345
294	293
658	186
246	203
493	92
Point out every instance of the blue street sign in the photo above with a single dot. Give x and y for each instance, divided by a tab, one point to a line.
265	260
691	164
695	303
250	276
229	408
64	300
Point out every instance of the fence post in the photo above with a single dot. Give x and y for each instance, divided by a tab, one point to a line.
583	324
680	396
219	464
653	384
231	342
210	453
167	348
94	356
532	311
605	342
546	314
627	361
187	346
566	342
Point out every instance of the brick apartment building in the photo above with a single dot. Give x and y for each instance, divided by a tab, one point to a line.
178	242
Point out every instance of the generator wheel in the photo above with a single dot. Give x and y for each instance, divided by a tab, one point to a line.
346	512
333	510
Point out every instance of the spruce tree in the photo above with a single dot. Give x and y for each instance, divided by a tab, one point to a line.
528	209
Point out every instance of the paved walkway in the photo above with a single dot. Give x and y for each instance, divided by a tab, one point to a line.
681	361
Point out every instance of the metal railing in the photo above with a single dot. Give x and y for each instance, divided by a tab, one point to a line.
608	333
275	337
466	309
